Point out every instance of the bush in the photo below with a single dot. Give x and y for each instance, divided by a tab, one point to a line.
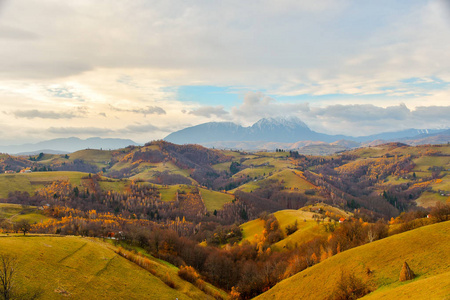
188	273
350	287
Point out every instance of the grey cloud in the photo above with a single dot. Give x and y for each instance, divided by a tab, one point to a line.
79	130
359	119
432	112
363	112
149	110
34	113
208	111
140	128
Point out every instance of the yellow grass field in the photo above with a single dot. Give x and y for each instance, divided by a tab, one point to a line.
425	249
84	268
252	228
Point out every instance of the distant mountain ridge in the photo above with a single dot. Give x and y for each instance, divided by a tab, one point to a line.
284	131
67	145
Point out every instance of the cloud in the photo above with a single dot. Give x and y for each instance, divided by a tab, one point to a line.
140	128
34	113
363	112
349	119
257	105
149	110
209	111
93	131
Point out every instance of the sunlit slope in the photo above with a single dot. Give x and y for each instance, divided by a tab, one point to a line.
29	182
82	268
308	228
425	249
16	212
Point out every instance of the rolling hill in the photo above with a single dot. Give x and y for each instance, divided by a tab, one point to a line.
82	268
425	249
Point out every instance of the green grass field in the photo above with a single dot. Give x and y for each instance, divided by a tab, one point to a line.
215	200
16	212
429	199
169	192
83	268
30	182
100	158
425	249
114	185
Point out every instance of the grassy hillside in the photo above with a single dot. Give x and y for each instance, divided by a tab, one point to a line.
29	182
15	213
215	200
251	229
425	249
83	268
308	229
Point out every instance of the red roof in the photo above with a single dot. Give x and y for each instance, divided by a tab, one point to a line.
341	219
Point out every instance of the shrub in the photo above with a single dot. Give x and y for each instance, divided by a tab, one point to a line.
350	287
188	273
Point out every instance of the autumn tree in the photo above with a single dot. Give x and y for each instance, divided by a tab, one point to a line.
24	226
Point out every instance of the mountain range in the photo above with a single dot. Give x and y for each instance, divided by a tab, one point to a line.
288	133
66	145
267	134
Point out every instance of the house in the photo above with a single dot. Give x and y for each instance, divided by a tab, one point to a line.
341	220
9	171
25	171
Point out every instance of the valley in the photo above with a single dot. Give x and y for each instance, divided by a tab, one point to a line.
202	222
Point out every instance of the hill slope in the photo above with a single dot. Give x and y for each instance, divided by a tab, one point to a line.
425	249
83	268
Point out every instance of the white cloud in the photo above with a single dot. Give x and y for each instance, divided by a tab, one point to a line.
209	111
123	63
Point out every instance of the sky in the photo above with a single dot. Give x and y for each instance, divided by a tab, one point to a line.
142	69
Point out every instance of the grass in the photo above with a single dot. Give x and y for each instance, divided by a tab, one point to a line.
291	179
429	199
252	228
83	268
30	182
306	230
222	167
169	193
16	212
425	249
424	162
115	185
418	289
215	200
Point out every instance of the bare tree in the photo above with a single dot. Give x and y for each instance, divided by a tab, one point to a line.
7	268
